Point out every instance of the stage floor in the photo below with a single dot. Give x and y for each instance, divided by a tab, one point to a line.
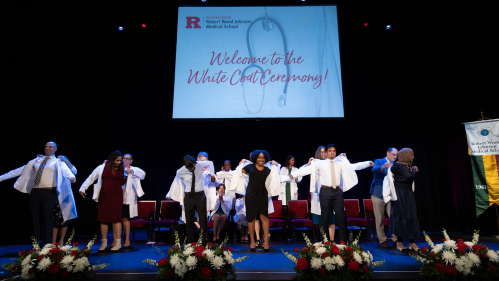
274	265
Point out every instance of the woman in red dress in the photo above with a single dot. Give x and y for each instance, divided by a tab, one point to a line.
111	198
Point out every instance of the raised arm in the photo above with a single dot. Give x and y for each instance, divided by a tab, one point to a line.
66	172
12	174
381	167
304	171
361	165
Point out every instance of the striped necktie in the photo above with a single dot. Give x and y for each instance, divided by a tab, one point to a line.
38	176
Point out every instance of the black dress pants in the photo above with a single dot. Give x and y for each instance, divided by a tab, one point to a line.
332	199
192	203
41	205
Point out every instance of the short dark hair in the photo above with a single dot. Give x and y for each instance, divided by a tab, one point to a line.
222	184
331	145
227	161
131	156
256	153
202	153
391	149
288	159
188	161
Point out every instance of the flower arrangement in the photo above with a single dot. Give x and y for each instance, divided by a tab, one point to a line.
54	262
458	260
327	261
196	262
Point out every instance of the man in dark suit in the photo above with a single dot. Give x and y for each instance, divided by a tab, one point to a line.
380	170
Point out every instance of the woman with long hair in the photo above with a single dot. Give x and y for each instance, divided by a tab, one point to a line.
109	195
263	183
289	188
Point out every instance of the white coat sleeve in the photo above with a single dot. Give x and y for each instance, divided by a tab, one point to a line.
360	165
273	182
12	174
389	188
66	172
91	179
138	173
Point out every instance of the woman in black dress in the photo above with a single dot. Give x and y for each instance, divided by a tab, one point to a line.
404	221
256	199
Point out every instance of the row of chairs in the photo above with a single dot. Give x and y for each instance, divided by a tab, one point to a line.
296	214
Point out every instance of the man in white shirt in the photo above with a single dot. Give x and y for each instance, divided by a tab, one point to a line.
41	178
333	178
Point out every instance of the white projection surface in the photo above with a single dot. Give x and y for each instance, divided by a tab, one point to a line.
257	62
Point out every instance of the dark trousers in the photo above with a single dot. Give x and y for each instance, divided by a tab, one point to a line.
192	203
332	199
41	204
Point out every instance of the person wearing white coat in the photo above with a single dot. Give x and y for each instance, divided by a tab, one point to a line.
289	187
133	190
220	212
46	185
240	218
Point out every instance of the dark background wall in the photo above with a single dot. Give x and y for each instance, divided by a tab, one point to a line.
69	76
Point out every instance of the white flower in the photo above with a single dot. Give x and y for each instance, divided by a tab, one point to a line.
460	264
370	256
217	262
67	260
84	261
316	263
469	244
44	263
227	254
341	246
450	244
318	244
492	255
49	246
467	262
466	270
330	267
175	261
449	257
90	244
357	257
188	251
474	259
26	260
180	269
366	257
44	251
25	272
80	264
66	248
339	261
320	250
209	253
437	248
328	260
191	262
231	260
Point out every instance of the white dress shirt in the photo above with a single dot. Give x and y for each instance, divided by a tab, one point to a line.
49	175
324	169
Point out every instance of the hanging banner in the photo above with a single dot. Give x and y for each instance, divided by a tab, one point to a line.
483	144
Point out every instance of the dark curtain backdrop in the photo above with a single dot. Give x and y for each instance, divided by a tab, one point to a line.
69	76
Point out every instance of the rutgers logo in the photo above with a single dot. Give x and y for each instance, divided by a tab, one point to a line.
193	21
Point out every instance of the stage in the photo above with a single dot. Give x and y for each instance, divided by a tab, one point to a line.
274	265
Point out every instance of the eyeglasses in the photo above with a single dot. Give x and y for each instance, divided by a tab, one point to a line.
127	158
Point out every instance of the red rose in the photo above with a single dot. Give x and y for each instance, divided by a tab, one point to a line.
57	244
230	249
40	257
31	270
327	243
460	240
194	243
74	252
440	267
65	275
302	263
198	254
54	250
206	271
23	254
304	250
341	242
297	249
365	268
353	265
222	248
75	243
176	248
221	272
450	270
209	243
169	273
349	249
322	271
344	258
461	250
162	262
476	247
335	249
324	254
199	248
424	248
54	268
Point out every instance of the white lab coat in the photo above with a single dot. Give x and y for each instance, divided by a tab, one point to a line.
210	189
95	175
240	216
227	176
389	193
133	190
294	186
64	192
226	205
272	183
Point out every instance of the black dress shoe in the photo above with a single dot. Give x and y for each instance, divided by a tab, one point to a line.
253	249
266	250
126	247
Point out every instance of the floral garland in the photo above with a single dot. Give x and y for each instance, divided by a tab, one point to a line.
458	260
194	261
327	261
54	262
